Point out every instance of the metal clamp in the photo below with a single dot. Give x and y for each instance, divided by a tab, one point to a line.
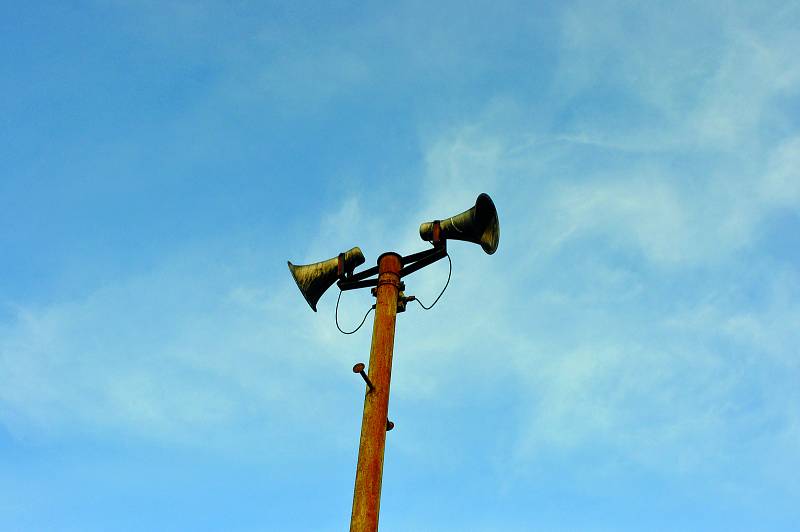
402	299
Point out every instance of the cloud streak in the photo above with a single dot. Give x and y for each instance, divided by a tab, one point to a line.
639	318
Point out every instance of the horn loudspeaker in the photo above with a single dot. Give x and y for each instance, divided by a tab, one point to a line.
478	225
314	279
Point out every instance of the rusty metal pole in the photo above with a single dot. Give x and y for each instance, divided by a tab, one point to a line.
369	472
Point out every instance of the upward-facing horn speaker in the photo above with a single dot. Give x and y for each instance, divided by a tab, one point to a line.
478	225
314	279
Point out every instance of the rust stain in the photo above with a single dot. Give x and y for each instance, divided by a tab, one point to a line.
375	423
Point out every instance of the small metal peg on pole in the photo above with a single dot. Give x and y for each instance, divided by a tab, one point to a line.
359	368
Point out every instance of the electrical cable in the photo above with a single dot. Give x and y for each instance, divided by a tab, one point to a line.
443	289
336	316
446	284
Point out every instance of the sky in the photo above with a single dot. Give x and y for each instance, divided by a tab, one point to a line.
628	360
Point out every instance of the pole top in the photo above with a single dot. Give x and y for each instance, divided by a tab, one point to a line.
382	255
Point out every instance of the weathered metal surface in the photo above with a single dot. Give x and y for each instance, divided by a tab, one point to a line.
375	423
423	259
314	279
478	225
347	284
359	368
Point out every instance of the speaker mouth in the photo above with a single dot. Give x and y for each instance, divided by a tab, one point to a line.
484	207
303	283
314	279
486	215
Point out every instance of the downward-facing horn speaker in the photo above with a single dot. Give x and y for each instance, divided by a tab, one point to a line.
314	279
478	225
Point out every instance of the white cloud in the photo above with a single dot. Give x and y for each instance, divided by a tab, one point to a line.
193	352
591	351
683	76
596	224
781	183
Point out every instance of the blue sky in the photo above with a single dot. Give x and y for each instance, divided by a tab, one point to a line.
627	360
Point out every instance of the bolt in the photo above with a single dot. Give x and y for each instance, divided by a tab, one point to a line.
359	368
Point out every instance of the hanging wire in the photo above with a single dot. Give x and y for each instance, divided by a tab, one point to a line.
336	316
443	289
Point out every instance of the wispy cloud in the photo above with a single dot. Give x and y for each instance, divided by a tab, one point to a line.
613	249
640	314
185	354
